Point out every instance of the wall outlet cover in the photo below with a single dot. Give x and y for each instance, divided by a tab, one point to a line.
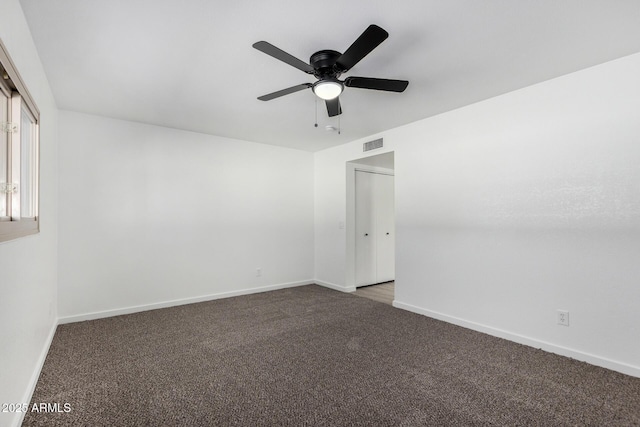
563	317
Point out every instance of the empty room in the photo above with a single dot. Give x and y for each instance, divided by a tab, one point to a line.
414	213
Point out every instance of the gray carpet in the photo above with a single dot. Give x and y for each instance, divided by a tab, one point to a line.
317	357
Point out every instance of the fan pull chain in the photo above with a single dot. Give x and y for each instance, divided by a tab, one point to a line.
316	98
339	127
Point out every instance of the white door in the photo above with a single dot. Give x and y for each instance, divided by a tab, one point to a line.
385	229
375	239
365	224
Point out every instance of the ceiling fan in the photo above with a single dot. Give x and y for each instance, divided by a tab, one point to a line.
328	65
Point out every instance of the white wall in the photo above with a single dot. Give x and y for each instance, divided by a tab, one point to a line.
151	215
512	208
28	266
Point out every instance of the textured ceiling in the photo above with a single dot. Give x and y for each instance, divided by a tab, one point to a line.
189	64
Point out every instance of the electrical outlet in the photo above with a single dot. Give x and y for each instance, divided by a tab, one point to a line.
563	317
258	272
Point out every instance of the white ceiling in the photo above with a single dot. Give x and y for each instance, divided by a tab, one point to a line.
189	64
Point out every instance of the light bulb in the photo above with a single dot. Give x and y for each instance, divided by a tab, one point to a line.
327	89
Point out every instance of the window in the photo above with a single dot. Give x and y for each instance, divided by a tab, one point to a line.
19	154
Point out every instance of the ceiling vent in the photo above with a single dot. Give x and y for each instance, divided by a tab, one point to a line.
372	145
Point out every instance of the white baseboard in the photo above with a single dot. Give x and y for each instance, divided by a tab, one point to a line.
336	287
520	339
172	303
33	381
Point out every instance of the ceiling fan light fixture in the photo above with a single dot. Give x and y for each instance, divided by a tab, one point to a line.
328	65
328	89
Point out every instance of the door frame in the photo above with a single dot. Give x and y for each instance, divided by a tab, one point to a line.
350	262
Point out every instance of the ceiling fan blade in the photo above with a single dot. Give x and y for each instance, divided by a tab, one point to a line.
333	107
283	92
376	84
283	56
368	40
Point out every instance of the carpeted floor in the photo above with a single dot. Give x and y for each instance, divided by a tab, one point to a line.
317	357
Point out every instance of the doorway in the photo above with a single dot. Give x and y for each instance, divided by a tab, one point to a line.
371	224
374	226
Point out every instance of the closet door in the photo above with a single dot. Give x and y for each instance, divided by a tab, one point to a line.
375	230
385	228
365	230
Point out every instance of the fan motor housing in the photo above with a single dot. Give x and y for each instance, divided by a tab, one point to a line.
323	63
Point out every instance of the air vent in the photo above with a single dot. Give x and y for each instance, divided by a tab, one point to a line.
372	145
